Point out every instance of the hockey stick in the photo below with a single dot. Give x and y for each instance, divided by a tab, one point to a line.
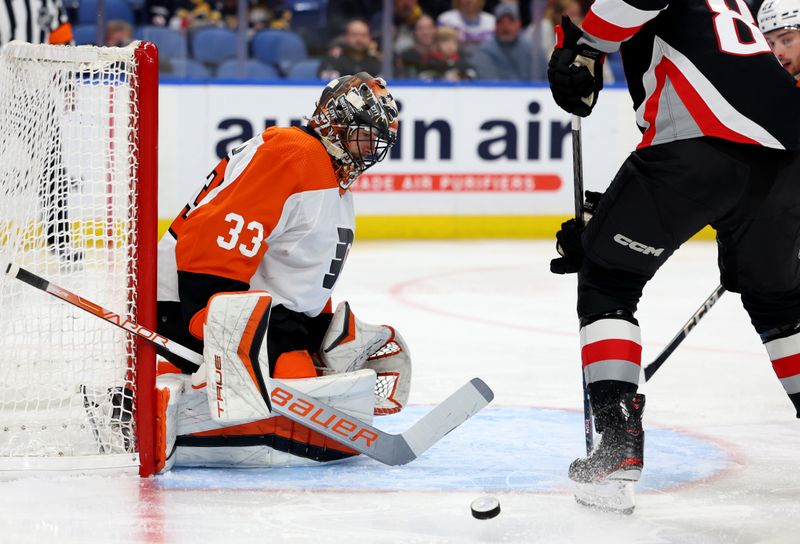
653	367
577	179
387	448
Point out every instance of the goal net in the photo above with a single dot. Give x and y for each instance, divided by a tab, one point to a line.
77	206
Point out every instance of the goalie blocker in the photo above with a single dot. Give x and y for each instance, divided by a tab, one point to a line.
222	415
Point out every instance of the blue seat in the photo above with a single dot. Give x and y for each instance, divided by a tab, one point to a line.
280	48
308	14
253	69
213	45
85	34
171	43
305	69
186	69
114	9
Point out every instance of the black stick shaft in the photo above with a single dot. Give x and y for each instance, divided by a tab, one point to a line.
577	178
577	168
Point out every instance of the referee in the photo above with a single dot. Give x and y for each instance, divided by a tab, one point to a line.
45	22
34	21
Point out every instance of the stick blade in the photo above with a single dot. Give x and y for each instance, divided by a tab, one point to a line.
467	401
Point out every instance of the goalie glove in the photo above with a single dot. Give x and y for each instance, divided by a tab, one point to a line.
575	70
350	344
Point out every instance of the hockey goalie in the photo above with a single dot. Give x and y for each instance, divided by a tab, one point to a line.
246	274
218	416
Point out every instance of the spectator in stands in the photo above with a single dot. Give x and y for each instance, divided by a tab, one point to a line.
341	12
405	15
508	56
196	15
434	8
159	12
546	27
411	60
355	55
445	62
576	11
474	26
118	33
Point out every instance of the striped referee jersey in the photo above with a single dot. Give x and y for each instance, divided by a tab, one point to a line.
698	68
34	21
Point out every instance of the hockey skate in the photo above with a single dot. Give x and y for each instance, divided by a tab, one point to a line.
604	480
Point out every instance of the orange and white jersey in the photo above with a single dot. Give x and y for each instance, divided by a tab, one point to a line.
271	217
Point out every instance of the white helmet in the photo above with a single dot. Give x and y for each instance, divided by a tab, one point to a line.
778	14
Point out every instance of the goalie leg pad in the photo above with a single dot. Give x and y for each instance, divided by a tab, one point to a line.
169	391
275	440
235	356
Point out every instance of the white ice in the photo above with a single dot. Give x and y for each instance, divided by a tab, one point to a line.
722	448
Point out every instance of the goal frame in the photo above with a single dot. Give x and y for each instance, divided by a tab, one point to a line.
141	258
147	202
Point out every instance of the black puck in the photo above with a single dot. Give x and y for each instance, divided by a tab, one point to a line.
485	508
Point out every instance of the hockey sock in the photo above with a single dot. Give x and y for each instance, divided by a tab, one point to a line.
611	354
784	352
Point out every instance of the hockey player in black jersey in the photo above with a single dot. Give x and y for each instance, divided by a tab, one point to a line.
720	138
779	20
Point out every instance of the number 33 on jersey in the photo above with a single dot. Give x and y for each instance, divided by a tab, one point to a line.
271	217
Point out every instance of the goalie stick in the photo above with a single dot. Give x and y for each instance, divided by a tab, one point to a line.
387	448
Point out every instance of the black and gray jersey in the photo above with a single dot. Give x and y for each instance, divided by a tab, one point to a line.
698	68
34	21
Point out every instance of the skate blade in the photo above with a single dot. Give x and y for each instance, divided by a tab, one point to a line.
626	475
614	496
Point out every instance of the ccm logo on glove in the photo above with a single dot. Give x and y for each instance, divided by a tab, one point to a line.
344	427
637	246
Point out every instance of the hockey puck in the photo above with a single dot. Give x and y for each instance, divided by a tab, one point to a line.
485	508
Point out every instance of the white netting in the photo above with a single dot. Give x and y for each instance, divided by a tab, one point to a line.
67	212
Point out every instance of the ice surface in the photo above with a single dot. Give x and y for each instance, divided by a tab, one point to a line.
722	443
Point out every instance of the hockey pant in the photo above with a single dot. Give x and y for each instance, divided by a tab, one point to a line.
662	196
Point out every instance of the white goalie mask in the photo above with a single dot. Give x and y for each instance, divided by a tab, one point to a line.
350	344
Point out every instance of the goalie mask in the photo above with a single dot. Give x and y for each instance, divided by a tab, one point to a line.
356	120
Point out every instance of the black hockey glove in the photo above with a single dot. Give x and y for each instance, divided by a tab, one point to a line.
568	239
575	71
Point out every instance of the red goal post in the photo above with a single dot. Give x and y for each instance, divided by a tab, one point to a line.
78	203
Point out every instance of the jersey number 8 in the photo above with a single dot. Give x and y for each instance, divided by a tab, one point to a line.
727	29
233	235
